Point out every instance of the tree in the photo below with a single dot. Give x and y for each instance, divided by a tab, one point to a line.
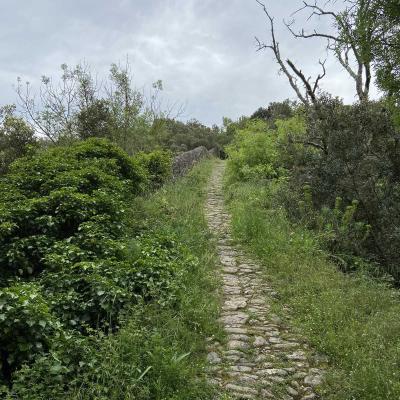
15	137
274	111
131	119
387	47
78	106
352	42
51	112
95	120
308	94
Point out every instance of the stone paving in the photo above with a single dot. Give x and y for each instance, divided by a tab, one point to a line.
262	359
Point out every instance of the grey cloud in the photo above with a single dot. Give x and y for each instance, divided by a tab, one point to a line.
203	50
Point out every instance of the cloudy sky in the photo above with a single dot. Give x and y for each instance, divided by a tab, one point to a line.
203	50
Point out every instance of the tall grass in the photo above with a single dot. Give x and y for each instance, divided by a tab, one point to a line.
353	319
160	351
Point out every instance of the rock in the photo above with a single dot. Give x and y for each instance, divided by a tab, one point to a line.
299	375
231	280
230	270
235	304
243	338
259	341
313	380
297	356
232	358
277	379
275	340
237	344
238	318
275	319
184	161
275	371
214	152
247	377
231	290
292	391
228	260
234	353
286	346
236	330
213	358
240	368
241	389
296	385
267	394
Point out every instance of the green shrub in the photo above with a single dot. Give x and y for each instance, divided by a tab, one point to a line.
27	326
64	194
51	375
260	152
158	165
339	151
68	272
358	159
93	294
254	154
87	166
17	138
160	265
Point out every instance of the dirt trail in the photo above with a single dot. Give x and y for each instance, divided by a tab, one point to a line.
262	359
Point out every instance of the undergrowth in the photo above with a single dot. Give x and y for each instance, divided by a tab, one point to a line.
352	318
159	353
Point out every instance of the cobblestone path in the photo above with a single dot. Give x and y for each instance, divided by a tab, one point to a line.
262	359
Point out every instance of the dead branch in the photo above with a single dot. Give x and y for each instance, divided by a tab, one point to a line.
353	20
311	90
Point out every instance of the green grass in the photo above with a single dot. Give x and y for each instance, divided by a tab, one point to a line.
353	319
160	351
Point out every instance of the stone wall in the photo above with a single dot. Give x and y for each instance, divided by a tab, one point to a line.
183	162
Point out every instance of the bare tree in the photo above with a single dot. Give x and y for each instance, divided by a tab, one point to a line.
51	112
352	43
307	93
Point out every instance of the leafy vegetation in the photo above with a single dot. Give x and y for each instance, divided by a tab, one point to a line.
304	214
159	351
107	272
338	168
74	261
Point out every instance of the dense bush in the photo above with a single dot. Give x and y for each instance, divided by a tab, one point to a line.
58	195
157	164
260	152
254	153
275	111
359	159
27	326
67	268
179	136
342	163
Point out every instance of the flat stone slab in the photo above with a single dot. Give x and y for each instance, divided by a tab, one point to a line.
238	345
235	303
238	318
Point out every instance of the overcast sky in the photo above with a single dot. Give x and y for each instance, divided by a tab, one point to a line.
203	50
